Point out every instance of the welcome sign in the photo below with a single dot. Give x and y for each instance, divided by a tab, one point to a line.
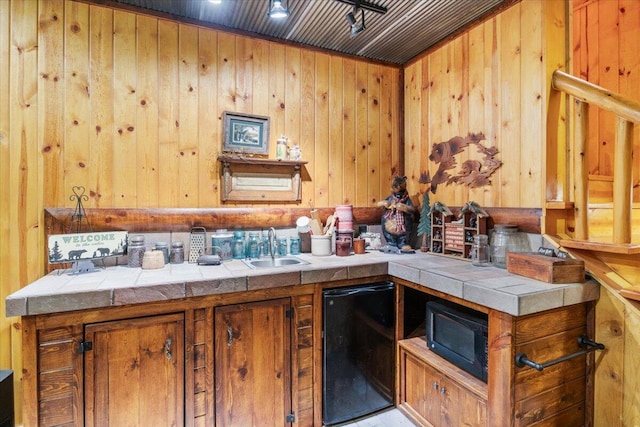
86	246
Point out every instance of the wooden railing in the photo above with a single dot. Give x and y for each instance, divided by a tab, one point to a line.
627	111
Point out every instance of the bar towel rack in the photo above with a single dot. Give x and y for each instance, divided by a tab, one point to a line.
584	342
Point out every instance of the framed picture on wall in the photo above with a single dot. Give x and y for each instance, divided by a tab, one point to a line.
245	133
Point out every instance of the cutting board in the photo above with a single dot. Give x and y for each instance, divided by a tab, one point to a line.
545	268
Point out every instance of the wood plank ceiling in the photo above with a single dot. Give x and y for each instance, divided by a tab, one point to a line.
408	27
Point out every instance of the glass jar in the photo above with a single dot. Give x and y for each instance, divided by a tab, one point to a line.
294	245
239	251
164	247
253	245
281	244
506	238
480	251
177	252
135	251
281	148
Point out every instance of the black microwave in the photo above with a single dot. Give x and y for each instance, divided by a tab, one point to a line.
459	335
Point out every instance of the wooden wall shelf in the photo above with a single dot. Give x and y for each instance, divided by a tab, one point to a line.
260	180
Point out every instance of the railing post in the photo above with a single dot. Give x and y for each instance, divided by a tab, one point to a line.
622	182
581	169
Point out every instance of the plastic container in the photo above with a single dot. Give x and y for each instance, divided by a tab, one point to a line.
506	238
320	245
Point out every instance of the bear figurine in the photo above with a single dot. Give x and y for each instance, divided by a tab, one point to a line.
397	221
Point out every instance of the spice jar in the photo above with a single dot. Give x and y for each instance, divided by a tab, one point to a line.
506	238
480	251
177	252
135	251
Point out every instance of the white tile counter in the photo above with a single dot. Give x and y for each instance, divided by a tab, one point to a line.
116	286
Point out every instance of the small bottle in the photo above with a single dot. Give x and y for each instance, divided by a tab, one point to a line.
294	245
177	252
164	247
480	253
281	148
135	251
282	246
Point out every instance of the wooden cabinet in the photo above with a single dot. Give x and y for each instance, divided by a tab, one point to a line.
253	364
145	364
437	393
134	372
513	396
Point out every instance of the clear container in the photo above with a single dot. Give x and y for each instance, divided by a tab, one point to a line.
281	244
239	250
281	148
177	252
506	238
253	245
294	245
135	251
480	255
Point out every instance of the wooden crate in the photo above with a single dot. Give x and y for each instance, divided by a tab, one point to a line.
545	268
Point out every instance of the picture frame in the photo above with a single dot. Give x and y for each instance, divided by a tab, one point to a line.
245	133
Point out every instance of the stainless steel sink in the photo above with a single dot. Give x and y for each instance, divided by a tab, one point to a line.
273	262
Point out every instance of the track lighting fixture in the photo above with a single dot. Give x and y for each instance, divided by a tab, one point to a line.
356	26
277	9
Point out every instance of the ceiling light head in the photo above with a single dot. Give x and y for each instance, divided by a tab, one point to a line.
356	26
277	9
215	1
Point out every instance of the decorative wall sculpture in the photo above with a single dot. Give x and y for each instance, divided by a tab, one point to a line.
473	173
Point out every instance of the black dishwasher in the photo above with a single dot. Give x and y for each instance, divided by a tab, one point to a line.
358	351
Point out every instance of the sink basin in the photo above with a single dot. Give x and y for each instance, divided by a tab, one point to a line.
273	262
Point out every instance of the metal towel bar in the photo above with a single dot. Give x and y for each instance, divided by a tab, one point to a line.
583	341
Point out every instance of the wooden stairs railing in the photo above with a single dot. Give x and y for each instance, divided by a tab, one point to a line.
618	255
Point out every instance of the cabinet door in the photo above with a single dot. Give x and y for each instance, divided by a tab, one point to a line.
460	407
421	389
134	373
253	364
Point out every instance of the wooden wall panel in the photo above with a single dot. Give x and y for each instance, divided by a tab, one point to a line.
486	80
130	107
605	53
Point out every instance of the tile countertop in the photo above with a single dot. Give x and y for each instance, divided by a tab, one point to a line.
115	286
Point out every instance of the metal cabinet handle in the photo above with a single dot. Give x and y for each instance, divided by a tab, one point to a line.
435	385
230	333
167	348
443	390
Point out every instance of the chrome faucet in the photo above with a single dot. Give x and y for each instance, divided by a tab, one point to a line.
272	242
